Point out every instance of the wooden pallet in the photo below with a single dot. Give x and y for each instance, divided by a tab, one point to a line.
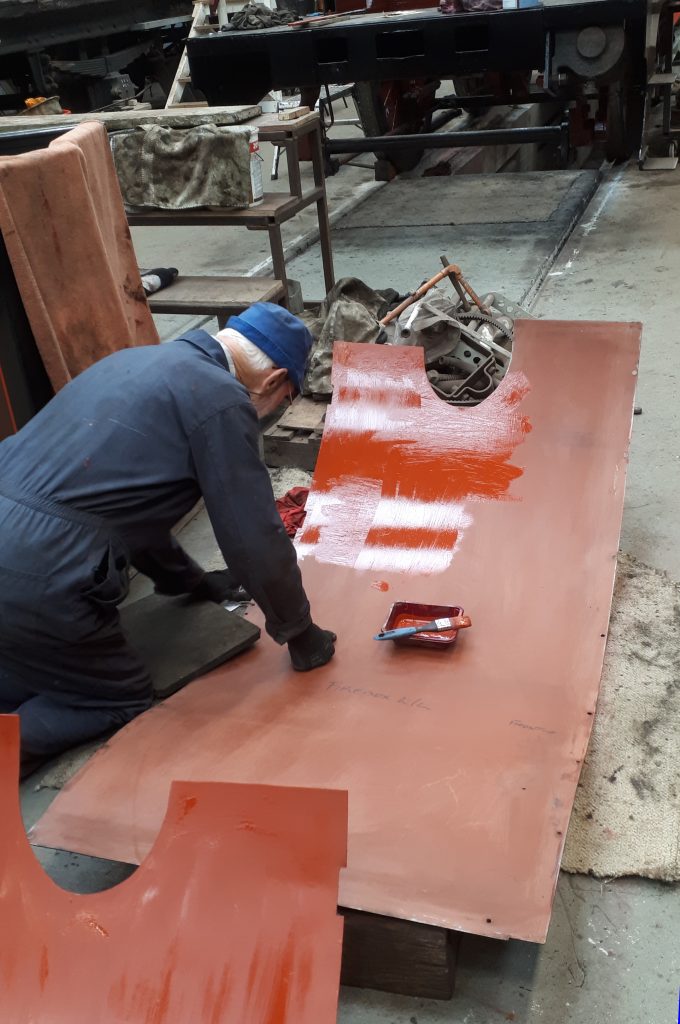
404	957
294	440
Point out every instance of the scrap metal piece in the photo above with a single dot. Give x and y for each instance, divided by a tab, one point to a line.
231	917
461	767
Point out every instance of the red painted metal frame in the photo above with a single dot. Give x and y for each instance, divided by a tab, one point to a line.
232	917
461	766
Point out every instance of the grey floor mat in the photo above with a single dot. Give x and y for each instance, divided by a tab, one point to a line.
180	639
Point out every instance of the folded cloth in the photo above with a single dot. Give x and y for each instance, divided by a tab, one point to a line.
184	168
350	310
254	16
292	509
64	226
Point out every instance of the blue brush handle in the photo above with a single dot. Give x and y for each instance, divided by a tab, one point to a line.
395	634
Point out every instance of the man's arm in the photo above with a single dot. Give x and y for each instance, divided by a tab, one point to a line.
169	566
238	496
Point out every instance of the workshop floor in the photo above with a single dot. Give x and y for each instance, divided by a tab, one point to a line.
613	950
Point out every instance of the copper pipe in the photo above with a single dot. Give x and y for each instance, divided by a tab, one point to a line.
451	271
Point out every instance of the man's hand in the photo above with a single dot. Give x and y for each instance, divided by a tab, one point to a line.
312	648
219	586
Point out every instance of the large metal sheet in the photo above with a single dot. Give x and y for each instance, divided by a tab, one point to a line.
231	918
461	767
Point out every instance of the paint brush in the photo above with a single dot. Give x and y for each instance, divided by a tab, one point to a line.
436	626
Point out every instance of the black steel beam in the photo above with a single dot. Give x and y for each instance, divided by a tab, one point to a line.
13	143
443	140
482	102
240	67
49	27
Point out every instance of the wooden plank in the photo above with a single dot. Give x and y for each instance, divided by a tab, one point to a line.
293	114
403	957
117	120
215	294
275	206
297	451
461	765
304	414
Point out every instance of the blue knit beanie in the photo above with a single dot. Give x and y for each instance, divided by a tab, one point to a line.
279	334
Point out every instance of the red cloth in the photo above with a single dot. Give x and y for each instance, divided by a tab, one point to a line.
292	509
64	225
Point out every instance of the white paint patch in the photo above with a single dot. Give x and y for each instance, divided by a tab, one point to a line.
407	513
342	539
599	206
372	417
409	560
373	381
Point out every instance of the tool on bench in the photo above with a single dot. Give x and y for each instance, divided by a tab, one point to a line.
424	625
323	19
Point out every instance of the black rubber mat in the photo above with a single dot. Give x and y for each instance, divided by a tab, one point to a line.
179	639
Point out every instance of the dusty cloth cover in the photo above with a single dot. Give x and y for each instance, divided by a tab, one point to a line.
350	310
63	222
255	16
183	168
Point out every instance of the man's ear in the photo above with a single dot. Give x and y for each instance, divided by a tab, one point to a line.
274	380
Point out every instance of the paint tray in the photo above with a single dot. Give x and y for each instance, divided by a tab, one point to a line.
408	613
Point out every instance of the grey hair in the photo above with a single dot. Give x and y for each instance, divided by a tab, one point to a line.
254	356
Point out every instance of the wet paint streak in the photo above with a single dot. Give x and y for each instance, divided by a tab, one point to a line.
280	984
187	807
400	471
160	1010
410	537
215	1005
44	969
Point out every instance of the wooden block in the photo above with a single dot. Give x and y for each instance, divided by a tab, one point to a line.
304	414
393	955
179	639
294	440
296	451
293	114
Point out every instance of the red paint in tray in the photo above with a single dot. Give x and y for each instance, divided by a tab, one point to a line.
408	613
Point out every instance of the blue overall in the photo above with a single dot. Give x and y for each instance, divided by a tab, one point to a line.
93	484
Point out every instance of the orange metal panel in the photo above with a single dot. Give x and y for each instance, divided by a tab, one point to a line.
461	766
231	917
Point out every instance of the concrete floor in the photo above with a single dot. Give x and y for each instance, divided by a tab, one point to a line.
503	230
613	949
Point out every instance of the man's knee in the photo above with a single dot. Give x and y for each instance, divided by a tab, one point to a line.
50	724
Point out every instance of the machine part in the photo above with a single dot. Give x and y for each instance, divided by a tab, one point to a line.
521	498
466	353
100	67
576	46
659	146
386	108
29	27
121	87
410	46
469	390
593	53
450	271
86	40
